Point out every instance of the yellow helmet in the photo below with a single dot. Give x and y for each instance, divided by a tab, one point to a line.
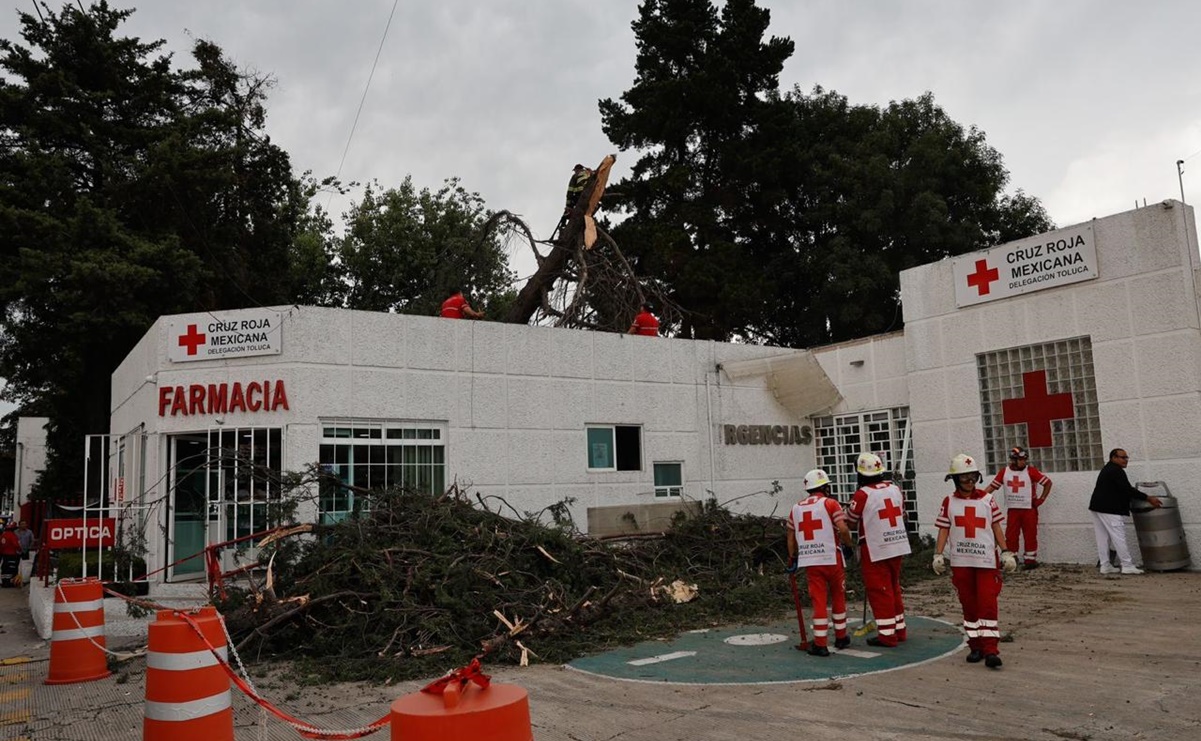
963	463
815	479
869	464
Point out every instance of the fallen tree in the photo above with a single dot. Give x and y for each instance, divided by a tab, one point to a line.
415	584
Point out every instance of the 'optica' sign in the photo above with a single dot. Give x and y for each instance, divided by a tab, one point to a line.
1054	259
74	533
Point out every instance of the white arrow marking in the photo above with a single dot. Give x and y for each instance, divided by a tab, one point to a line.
661	658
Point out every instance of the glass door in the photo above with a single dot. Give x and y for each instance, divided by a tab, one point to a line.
190	489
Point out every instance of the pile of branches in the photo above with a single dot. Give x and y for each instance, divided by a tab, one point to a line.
415	584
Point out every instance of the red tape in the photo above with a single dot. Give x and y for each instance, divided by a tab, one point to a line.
299	725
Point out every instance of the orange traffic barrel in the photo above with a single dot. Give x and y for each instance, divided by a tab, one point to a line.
77	638
498	712
187	690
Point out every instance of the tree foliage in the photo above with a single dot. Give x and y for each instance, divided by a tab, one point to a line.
128	190
787	218
405	249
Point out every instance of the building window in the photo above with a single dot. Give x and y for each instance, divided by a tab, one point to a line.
377	455
1044	398
669	479
839	440
614	448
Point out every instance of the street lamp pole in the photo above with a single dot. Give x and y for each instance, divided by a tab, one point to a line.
1180	177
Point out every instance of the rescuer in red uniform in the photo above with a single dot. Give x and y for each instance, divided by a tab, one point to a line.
816	525
877	508
1022	500
969	531
645	323
456	307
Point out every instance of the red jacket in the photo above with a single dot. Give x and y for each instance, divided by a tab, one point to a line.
9	544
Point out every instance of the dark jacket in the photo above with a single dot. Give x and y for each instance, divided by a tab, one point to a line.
1113	492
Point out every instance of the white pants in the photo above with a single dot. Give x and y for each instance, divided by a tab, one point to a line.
1111	529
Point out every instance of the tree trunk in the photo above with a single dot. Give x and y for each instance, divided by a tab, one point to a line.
540	284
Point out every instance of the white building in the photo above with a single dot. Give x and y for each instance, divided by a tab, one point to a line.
209	408
30	457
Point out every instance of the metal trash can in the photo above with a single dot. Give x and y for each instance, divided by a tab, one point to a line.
1160	532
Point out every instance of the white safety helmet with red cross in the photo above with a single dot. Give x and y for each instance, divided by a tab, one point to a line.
815	479
963	463
869	464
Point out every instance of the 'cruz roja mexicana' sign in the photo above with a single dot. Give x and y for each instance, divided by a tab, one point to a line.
1054	259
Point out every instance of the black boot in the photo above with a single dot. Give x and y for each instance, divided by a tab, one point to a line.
816	650
992	661
843	642
975	656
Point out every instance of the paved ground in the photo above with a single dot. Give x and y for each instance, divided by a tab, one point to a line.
1092	657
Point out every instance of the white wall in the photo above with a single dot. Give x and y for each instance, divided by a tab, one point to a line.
1142	315
31	456
515	399
870	373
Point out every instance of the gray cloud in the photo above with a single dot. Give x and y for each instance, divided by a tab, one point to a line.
1090	102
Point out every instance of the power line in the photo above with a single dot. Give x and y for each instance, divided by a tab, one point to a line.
363	100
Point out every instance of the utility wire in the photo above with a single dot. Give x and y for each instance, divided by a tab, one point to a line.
363	100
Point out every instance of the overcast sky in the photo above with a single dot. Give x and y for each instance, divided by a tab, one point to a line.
1090	102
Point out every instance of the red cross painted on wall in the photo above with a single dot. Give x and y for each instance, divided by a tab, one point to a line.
970	522
192	339
809	525
890	512
1037	408
1015	484
982	279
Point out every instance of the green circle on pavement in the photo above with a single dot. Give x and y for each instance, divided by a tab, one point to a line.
756	654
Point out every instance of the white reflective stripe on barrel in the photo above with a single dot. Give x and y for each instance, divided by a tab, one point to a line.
184	662
92	604
176	711
76	634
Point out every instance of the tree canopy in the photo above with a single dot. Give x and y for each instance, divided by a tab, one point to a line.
128	190
405	249
787	217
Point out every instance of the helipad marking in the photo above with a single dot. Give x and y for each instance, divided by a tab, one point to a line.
856	653
712	658
755	639
661	658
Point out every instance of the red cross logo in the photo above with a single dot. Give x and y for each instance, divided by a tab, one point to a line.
890	512
983	277
1037	408
192	339
970	522
1015	484
809	525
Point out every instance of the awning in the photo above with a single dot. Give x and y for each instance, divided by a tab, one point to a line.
796	379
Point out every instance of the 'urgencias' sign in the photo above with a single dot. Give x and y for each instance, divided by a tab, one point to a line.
767	434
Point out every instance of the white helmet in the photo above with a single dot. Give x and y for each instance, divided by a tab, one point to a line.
869	464
963	463
815	479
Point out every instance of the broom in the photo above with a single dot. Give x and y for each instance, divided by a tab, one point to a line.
866	627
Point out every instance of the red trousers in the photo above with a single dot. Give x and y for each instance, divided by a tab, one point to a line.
882	579
978	589
827	582
1025	523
